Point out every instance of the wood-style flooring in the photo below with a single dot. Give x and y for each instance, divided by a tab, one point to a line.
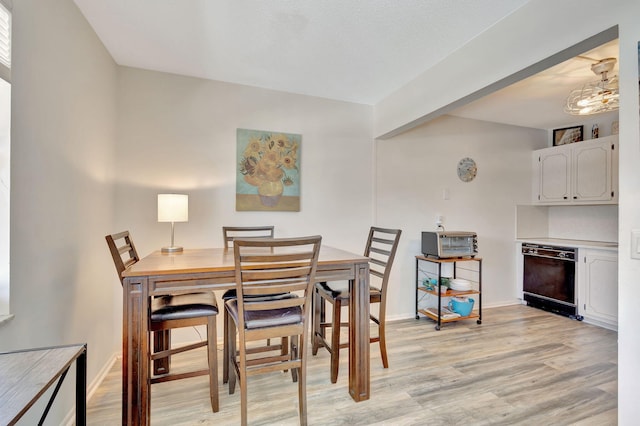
521	366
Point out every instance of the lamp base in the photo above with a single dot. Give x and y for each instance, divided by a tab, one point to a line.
172	249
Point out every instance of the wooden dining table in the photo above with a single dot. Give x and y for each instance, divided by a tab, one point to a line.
194	270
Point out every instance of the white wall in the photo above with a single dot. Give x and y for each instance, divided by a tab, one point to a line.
413	170
595	223
63	132
179	134
5	179
629	219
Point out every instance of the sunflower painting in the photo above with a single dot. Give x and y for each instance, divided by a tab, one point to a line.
268	171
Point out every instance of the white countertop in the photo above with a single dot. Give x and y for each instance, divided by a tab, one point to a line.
602	245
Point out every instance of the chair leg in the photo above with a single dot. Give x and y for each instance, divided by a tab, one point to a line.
316	302
243	389
383	344
225	347
293	354
231	355
335	341
302	383
161	342
284	350
213	363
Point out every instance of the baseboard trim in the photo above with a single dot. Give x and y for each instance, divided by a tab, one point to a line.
70	418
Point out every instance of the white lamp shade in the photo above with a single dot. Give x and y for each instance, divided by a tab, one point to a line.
173	208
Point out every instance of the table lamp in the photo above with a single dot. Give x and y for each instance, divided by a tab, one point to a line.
173	208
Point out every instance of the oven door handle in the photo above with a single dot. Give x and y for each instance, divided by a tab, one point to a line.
566	259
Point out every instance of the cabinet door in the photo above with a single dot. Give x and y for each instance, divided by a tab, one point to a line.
555	175
592	177
579	173
600	287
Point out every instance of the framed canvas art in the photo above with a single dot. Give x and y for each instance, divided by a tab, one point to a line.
268	171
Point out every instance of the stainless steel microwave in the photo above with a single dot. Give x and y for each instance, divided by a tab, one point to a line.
443	244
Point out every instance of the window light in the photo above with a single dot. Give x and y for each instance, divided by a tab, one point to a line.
5	36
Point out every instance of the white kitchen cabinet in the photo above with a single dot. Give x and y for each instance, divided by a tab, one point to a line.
598	287
579	173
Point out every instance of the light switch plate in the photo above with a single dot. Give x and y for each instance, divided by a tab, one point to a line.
635	243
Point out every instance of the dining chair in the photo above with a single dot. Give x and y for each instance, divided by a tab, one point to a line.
170	312
274	282
229	233
381	247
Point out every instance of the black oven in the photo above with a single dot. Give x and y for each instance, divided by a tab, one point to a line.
549	279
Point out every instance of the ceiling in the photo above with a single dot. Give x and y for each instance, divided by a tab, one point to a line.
357	51
538	101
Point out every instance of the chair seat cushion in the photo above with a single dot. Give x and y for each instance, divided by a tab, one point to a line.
268	318
232	294
183	306
340	290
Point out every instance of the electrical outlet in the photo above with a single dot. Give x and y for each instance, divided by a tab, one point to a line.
439	220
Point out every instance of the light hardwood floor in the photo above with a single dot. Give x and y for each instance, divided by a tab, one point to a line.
521	366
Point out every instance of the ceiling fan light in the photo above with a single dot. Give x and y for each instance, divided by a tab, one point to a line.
597	96
603	66
612	97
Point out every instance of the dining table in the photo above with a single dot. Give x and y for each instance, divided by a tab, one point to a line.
212	269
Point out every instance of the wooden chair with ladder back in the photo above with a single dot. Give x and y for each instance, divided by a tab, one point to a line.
229	234
274	283
170	312
381	247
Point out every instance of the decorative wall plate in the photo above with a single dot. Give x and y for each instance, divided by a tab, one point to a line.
467	169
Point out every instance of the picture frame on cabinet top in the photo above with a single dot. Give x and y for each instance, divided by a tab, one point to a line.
568	135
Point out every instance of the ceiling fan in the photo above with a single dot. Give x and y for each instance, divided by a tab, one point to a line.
597	96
